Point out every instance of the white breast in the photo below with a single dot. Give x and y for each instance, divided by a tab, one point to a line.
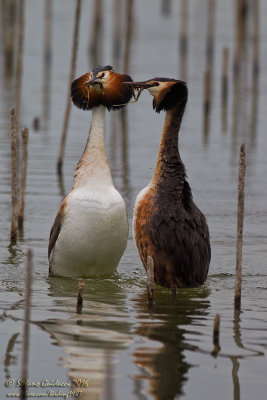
93	235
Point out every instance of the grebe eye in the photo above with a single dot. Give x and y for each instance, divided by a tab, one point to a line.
103	74
156	84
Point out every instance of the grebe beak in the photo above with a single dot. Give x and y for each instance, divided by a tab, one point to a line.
140	85
94	81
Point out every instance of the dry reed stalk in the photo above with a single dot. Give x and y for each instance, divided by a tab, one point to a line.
47	59
216	330
256	42
240	218
116	47
26	330
207	102
95	47
8	32
165	7
24	164
128	36
256	69
19	62
183	39
71	78
14	179
210	34
224	88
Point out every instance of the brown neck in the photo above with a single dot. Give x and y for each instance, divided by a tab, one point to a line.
170	172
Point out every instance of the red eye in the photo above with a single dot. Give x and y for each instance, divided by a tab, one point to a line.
156	84
102	76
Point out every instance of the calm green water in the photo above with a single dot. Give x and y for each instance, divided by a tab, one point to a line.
119	347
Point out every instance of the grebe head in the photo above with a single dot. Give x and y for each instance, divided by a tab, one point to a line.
101	86
167	93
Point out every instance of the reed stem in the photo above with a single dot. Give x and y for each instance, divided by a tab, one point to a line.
14	179
128	36
71	78
240	218
224	89
24	164
96	34
19	63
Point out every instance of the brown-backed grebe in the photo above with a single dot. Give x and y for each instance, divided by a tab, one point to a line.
167	224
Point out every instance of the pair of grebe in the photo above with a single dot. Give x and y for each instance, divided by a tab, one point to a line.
90	231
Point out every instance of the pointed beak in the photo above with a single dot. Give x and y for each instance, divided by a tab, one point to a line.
139	85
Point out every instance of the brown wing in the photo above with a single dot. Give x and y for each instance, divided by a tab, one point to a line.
56	228
176	238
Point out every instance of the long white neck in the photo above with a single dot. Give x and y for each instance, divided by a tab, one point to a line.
93	167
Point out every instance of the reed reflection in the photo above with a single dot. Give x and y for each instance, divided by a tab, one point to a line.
255	71
208	74
10	357
92	339
161	359
47	61
240	72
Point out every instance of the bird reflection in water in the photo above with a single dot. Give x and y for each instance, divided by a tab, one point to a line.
161	359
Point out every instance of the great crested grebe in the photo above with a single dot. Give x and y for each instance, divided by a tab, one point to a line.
90	231
167	224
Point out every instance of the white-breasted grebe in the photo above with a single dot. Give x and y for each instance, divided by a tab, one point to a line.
90	232
167	224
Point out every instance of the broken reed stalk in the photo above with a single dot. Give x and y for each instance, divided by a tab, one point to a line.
256	42
95	46
14	179
71	78
150	279
224	89
8	26
241	26
256	69
216	330
116	46
165	7
26	330
128	35
183	39
208	75
210	34
207	102
216	335
19	62
47	59
240	218
24	164
80	296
